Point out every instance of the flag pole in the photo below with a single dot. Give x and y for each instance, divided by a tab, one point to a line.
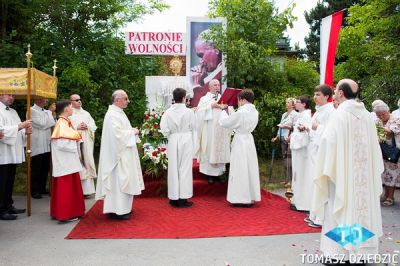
28	136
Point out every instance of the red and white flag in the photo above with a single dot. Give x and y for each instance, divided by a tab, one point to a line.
330	28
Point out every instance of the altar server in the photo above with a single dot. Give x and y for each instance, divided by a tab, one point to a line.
11	154
177	124
244	177
67	201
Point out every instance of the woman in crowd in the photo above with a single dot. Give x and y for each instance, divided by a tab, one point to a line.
391	174
285	127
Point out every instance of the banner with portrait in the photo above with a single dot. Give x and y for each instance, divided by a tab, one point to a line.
203	61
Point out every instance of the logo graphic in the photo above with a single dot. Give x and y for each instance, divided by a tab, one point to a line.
354	234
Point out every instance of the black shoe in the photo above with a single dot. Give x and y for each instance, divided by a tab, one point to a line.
68	220
7	216
13	210
126	216
242	205
184	203
174	203
36	195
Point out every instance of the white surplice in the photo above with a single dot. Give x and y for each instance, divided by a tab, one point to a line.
212	142
321	116
120	176
348	181
177	124
301	183
88	173
42	122
244	176
12	144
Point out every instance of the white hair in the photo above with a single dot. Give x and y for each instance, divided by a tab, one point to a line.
381	107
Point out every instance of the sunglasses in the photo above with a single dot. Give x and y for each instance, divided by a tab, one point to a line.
77	100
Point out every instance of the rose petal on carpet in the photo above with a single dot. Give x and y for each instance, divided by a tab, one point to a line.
210	216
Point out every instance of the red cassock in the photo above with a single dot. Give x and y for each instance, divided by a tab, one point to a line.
67	199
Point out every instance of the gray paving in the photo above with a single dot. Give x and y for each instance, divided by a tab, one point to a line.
38	240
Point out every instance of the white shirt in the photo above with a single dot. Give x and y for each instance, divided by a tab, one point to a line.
42	122
12	144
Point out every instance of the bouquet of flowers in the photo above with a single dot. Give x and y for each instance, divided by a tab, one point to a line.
150	130
154	160
381	132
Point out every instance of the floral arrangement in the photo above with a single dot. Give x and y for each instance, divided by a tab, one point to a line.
150	130
154	160
381	132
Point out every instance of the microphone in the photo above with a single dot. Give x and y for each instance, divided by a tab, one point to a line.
216	95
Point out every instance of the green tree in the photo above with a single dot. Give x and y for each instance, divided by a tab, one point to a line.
254	26
369	50
250	44
85	38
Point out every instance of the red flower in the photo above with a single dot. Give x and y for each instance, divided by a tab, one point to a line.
154	153
153	115
163	149
164	155
147	126
146	117
155	125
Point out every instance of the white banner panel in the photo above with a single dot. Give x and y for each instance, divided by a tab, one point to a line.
155	43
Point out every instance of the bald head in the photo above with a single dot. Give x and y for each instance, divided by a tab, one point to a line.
346	89
120	98
76	101
353	85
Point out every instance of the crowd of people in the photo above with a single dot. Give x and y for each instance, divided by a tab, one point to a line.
337	168
63	134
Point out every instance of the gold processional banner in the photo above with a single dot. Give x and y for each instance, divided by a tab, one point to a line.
14	81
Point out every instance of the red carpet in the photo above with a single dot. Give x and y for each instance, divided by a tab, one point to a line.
210	216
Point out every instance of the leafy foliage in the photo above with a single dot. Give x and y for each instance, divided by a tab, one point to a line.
249	43
369	50
84	37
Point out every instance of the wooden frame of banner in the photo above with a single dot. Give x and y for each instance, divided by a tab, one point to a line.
38	89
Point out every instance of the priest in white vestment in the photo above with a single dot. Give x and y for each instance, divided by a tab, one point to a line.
120	175
11	153
298	144
348	179
244	176
319	120
212	141
177	124
84	123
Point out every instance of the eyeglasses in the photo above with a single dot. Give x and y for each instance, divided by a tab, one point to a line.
77	100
